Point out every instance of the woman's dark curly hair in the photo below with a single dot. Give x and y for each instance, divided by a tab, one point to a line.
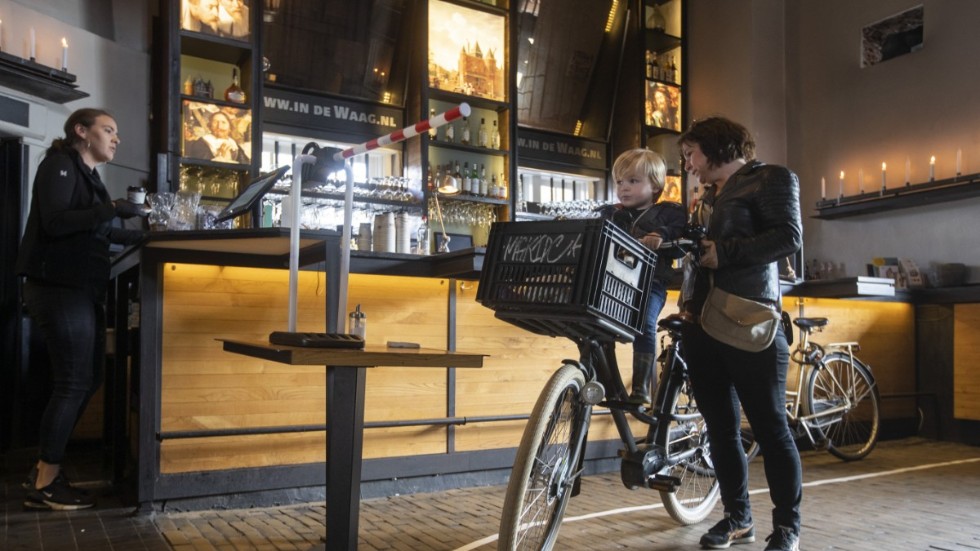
721	140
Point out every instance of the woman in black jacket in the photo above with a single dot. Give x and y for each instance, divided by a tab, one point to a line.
65	258
754	222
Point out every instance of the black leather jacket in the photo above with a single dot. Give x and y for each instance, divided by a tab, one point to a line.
755	222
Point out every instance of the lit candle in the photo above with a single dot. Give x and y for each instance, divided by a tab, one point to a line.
32	43
908	171
64	54
840	184
959	161
883	179
860	180
932	168
823	188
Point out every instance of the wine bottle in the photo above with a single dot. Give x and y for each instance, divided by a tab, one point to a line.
234	93
495	137
484	184
433	133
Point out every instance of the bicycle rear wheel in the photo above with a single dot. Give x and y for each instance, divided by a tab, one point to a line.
546	465
698	490
853	431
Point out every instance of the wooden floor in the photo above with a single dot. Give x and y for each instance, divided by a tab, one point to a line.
909	494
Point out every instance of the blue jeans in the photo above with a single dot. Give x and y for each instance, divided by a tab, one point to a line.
722	377
73	325
647	341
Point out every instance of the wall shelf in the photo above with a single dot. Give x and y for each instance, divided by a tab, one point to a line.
39	80
936	191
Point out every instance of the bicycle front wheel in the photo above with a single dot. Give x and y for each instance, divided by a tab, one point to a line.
845	399
546	465
697	490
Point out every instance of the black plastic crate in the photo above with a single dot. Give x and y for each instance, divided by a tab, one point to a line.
569	278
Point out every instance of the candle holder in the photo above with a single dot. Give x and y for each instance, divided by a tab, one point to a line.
33	78
911	195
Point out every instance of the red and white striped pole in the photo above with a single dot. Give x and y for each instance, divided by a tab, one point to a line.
461	110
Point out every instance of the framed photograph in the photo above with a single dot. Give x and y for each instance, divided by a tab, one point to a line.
224	18
216	133
672	190
467	51
663	106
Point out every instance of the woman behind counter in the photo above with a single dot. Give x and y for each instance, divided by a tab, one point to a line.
65	258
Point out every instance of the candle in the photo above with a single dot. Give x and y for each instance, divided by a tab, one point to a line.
823	188
932	168
860	180
883	179
840	184
959	161
908	171
64	54
32	43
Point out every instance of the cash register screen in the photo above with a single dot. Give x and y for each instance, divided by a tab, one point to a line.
252	194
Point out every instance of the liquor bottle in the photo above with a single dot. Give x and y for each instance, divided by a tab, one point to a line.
653	67
234	93
465	139
422	237
465	180
484	184
450	133
433	132
665	69
674	76
481	136
497	191
495	137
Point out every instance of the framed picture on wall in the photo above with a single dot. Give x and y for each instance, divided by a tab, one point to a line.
663	106
467	51
224	18
216	133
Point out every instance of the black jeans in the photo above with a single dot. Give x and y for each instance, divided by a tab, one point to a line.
73	325
722	377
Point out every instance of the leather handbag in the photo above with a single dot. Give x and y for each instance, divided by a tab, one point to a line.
739	322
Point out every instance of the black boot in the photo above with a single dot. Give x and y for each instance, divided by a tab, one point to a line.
644	378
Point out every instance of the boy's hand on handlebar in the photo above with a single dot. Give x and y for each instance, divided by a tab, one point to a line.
709	254
652	240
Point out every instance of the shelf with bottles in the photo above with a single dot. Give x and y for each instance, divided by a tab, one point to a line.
484	131
210	80
483	180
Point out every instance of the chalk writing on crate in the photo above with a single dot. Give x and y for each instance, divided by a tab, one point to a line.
543	248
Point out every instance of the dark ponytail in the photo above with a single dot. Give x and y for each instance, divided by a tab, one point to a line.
85	117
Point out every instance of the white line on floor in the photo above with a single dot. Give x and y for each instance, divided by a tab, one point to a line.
621	510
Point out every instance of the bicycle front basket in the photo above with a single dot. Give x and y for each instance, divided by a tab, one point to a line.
571	278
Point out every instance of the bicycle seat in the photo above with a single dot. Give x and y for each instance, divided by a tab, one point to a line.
808	324
675	322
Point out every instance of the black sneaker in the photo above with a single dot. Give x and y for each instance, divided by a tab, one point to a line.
727	533
59	496
28	484
783	539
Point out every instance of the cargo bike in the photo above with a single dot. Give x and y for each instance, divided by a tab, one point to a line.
587	280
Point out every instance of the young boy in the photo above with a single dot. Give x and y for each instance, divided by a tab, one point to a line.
640	175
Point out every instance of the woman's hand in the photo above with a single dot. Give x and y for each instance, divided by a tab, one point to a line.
709	254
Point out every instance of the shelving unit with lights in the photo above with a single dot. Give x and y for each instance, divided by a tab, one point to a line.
208	144
477	71
664	98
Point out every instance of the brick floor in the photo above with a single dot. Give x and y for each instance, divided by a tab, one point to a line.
910	494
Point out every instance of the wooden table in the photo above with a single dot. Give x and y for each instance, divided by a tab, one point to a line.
346	373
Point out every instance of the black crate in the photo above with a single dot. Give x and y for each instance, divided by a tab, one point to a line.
569	278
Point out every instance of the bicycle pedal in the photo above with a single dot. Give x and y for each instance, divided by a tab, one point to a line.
663	483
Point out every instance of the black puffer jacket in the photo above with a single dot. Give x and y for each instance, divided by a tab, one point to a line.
755	221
